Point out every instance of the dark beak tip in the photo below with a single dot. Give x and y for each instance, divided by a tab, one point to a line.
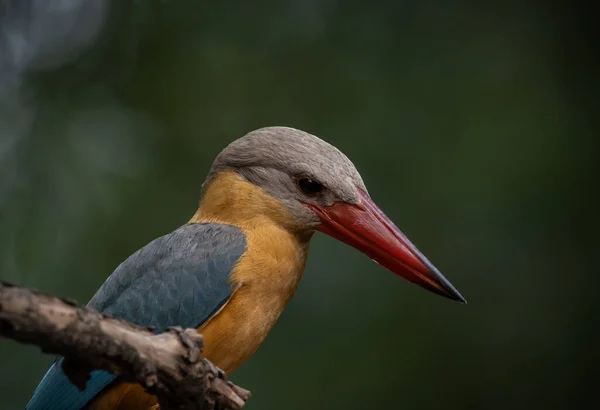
462	300
455	295
445	288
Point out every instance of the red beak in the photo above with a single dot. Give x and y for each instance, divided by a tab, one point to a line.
365	227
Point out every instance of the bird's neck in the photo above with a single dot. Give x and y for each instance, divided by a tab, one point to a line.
276	253
229	198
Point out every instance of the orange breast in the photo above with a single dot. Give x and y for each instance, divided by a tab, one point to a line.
266	276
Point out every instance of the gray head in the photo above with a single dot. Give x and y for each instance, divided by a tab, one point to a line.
320	189
283	161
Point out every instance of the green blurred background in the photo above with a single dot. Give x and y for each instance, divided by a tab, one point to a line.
474	125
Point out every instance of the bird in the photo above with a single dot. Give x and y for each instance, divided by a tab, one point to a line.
233	267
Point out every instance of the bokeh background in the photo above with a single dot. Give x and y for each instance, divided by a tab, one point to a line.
474	125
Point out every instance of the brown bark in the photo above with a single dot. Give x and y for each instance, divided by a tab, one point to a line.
168	365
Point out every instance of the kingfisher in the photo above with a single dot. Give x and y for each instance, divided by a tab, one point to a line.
231	270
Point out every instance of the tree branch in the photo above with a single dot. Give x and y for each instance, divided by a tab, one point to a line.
168	365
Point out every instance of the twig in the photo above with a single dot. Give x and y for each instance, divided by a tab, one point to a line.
168	365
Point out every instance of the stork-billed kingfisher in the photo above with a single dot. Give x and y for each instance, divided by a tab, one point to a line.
231	270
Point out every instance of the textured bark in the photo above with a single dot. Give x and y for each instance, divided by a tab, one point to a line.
168	365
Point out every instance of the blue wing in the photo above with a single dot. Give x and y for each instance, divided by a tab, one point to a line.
180	279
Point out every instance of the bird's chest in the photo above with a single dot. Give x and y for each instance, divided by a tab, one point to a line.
267	276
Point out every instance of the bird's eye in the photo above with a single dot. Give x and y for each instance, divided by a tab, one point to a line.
309	186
